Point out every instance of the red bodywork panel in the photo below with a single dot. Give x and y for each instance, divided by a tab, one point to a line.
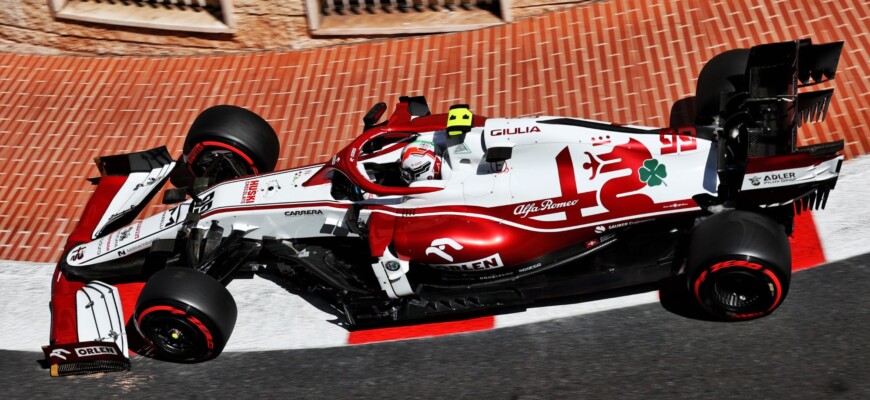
63	290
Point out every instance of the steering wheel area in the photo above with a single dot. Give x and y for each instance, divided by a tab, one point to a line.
346	161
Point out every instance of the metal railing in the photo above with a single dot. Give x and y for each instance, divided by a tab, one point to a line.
342	7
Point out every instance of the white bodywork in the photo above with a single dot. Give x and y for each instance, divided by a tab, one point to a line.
278	205
100	316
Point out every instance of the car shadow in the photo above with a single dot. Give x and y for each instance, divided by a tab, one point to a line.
314	300
674	296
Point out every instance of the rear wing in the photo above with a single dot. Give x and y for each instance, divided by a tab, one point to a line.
755	100
768	102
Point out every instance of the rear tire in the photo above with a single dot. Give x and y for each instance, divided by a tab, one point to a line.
739	265
186	315
231	132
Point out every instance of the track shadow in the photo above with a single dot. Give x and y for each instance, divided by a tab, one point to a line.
675	297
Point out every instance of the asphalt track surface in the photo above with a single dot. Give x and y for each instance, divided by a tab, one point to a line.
817	345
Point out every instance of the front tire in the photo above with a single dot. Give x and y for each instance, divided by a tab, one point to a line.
227	142
186	315
739	265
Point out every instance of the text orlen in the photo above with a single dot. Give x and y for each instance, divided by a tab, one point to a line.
250	192
486	263
95	351
524	210
514	131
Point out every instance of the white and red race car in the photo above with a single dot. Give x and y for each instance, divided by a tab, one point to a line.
525	209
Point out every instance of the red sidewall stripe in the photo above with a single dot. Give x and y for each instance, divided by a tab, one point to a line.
197	150
741	264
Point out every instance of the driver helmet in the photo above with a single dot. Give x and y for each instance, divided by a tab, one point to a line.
420	162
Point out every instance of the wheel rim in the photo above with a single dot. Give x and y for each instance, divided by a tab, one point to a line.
741	292
175	337
222	165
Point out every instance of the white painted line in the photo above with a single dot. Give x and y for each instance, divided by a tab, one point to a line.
540	314
844	224
271	318
25	290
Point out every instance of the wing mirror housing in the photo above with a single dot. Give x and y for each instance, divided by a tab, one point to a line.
374	115
498	154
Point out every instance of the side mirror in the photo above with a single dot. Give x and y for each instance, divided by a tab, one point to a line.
375	114
498	154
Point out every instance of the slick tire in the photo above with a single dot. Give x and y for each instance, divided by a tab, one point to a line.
738	265
236	129
186	315
722	74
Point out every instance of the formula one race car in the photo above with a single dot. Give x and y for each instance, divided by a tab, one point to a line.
515	211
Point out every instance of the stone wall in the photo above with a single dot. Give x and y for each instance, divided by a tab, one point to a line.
28	26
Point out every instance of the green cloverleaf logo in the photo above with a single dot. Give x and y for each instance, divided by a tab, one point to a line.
652	173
